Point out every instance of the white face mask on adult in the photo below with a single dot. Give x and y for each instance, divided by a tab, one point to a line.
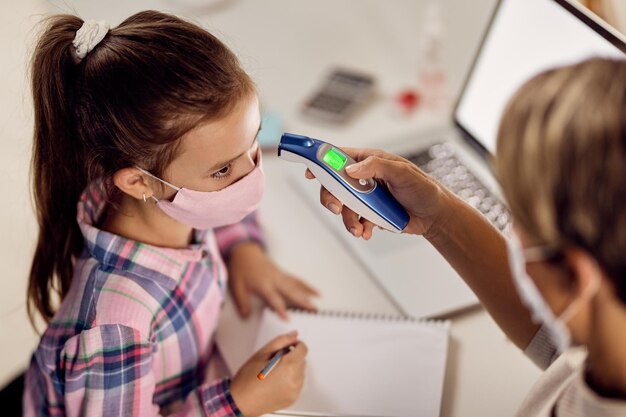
532	298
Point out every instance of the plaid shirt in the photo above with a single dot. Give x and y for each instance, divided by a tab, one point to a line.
134	336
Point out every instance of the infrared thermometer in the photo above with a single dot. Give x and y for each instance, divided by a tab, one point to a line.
367	198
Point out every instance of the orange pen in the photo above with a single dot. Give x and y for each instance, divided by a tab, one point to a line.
273	361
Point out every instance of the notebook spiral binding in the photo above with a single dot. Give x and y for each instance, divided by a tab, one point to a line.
370	316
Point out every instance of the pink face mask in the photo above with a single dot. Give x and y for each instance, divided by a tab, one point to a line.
210	209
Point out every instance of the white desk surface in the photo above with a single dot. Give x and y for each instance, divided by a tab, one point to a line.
286	46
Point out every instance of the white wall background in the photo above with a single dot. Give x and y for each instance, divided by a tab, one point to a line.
17	224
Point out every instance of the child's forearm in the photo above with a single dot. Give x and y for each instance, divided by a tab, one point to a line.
247	230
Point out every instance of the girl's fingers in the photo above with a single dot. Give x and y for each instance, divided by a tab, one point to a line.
297	295
276	302
241	294
298	353
307	288
278	343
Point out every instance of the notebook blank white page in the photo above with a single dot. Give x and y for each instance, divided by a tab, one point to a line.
360	366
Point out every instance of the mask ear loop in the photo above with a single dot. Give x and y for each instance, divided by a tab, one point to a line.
156	200
255	153
587	294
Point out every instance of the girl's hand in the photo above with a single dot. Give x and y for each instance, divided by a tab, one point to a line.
251	271
280	388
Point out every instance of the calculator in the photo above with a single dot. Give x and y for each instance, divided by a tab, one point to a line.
342	94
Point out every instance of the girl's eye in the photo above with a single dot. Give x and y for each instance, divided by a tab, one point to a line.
222	173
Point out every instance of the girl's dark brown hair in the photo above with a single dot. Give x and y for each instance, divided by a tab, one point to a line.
147	83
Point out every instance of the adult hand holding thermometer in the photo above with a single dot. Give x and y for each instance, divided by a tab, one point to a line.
366	197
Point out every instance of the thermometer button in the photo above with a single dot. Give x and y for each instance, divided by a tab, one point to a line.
362	185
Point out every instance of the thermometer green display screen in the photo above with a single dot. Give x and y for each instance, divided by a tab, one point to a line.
335	159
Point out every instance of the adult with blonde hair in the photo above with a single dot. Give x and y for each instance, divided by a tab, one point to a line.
561	296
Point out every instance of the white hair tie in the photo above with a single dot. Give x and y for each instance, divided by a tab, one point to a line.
88	36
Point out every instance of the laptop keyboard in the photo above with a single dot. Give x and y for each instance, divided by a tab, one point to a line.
440	162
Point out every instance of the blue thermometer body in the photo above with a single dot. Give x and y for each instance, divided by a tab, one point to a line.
367	198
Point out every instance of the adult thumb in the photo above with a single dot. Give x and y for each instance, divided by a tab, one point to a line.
375	167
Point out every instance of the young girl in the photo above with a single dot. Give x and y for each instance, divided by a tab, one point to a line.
146	173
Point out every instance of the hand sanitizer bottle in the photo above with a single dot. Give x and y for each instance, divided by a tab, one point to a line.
431	73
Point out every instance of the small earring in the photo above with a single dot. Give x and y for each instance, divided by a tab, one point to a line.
144	197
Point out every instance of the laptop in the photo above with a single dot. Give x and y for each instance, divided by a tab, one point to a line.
523	38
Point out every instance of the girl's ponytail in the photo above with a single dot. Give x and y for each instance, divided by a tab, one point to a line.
58	171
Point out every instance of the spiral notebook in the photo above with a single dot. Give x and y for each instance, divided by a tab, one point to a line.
359	365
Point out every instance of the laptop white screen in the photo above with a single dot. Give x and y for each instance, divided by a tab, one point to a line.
525	38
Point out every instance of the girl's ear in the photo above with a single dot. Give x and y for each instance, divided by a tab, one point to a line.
133	182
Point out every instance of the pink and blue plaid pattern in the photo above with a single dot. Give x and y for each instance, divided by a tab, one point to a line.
134	336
